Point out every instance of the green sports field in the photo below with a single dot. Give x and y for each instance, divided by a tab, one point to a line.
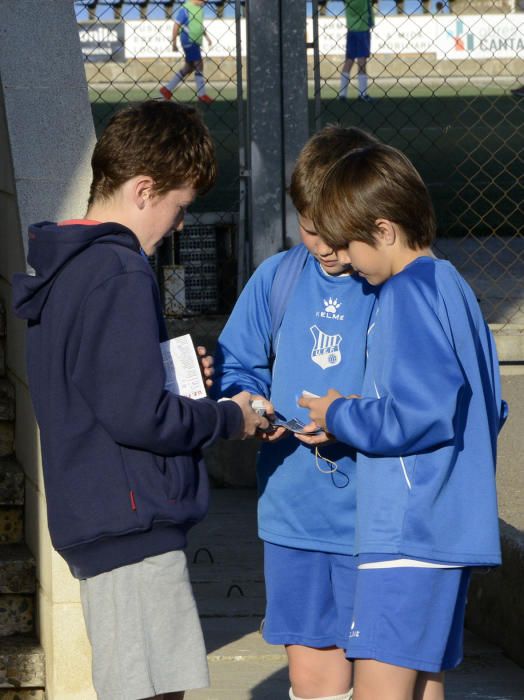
468	143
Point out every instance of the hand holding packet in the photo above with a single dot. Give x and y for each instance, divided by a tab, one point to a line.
294	425
182	368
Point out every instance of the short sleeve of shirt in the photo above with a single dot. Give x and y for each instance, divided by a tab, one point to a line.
182	17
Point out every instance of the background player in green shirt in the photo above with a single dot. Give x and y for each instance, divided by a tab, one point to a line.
359	20
189	24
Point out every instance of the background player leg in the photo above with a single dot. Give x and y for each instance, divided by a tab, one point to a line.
345	77
362	77
167	90
200	81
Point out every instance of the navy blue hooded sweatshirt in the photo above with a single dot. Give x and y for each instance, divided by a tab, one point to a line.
123	470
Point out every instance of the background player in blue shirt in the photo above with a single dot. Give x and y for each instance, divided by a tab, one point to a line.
189	24
306	507
425	427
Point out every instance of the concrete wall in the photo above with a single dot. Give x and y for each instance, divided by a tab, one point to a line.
46	136
496	603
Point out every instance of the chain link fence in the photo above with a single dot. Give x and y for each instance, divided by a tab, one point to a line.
129	56
441	82
444	82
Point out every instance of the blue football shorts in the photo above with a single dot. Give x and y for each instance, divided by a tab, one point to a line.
309	596
192	52
358	44
410	617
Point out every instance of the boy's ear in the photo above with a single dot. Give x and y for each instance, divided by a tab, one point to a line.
387	232
142	190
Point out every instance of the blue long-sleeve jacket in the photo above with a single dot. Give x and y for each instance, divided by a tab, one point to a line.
123	471
427	424
321	344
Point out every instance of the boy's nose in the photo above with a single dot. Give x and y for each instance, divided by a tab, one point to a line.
343	256
323	248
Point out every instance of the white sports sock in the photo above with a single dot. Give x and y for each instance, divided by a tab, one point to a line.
174	82
344	84
363	83
344	696
200	83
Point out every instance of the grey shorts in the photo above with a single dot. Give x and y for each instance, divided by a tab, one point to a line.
144	630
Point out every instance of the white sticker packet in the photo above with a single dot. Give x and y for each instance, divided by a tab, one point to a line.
182	368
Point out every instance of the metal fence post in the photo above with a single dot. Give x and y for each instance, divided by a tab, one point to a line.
265	129
243	256
278	121
294	99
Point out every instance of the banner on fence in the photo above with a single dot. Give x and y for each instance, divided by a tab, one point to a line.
446	36
494	36
102	42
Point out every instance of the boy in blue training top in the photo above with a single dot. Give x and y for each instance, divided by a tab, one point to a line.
306	509
425	427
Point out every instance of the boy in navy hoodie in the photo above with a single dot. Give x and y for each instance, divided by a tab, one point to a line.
425	426
124	474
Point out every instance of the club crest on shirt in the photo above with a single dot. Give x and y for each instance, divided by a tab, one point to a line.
331	307
326	349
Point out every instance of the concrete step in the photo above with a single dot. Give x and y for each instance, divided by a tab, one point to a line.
243	667
11	498
22	670
239	640
17	613
229	600
11	525
229	533
7	438
21	664
225	558
17	569
7	411
2	339
7	400
231	583
11	482
226	567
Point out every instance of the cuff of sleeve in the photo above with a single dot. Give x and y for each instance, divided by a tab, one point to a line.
233	420
331	415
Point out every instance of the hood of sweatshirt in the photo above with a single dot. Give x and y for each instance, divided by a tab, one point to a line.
51	247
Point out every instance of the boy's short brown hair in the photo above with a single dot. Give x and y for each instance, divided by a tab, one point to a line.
167	141
317	156
370	183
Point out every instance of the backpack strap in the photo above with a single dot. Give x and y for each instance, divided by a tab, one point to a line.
288	271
